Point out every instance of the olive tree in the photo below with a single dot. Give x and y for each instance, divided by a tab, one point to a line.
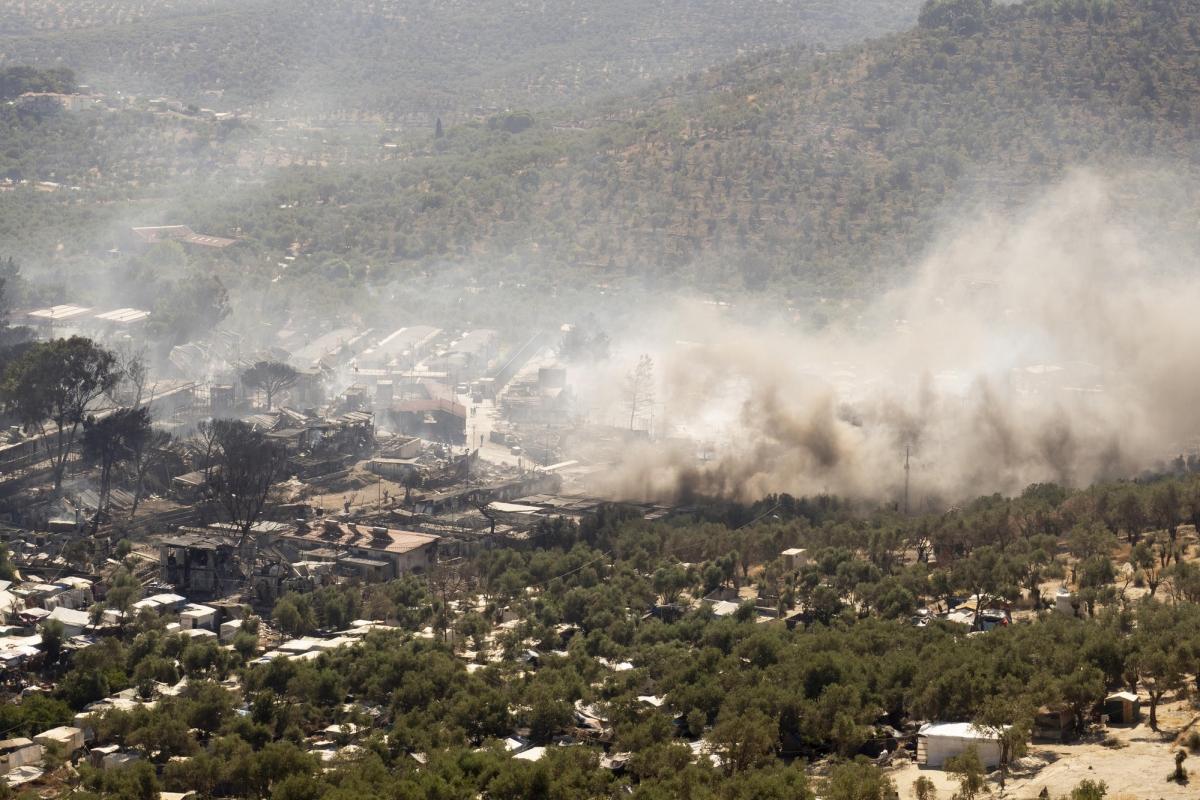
271	378
51	388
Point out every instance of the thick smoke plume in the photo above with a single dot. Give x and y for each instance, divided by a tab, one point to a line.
1056	344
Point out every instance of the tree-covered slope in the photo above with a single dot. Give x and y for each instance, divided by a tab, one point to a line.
415	56
846	165
791	170
784	169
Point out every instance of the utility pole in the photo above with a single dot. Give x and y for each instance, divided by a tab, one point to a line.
906	469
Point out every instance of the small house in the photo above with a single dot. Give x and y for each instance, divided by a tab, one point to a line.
73	622
35	594
407	447
195	616
77	592
1122	708
369	552
939	742
15	753
111	757
32	616
67	738
190	487
724	608
394	469
198	563
230	629
1052	724
163	603
794	558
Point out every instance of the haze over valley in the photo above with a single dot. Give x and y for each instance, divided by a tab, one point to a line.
544	399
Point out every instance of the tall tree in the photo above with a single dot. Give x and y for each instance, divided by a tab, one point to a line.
1159	652
1010	718
639	387
202	448
246	466
147	453
745	741
54	384
969	769
131	388
1131	514
1142	558
1166	508
111	440
271	378
11	337
988	575
858	780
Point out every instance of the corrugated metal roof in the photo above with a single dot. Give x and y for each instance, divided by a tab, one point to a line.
61	312
124	316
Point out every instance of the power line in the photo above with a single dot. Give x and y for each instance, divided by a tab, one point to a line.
601	557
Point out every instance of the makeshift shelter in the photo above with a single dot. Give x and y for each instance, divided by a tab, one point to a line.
1052	724
941	741
15	753
1122	708
73	622
795	557
67	738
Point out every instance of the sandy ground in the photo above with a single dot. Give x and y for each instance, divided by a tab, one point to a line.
1136	771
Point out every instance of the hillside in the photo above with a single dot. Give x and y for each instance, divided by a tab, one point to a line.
400	57
781	170
791	171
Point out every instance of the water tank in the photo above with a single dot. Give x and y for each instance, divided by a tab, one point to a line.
1062	602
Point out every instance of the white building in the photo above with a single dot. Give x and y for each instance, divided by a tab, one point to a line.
937	742
73	622
229	630
67	738
795	557
16	753
196	616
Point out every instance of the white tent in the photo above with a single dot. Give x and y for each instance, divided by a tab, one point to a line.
937	742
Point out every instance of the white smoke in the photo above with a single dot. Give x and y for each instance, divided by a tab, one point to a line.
1049	345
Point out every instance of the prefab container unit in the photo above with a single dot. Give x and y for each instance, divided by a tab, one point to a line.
229	630
939	742
68	738
795	557
199	633
16	753
198	616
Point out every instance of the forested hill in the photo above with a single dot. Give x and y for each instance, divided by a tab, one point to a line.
791	170
397	57
826	172
781	169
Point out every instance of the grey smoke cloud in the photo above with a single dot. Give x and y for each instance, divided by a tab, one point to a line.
1053	344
